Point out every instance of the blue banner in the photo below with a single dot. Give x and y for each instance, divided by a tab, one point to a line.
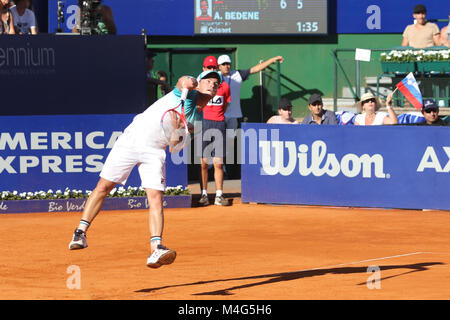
176	18
381	16
55	152
48	74
371	166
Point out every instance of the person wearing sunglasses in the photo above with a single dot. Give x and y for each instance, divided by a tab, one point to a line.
430	112
370	105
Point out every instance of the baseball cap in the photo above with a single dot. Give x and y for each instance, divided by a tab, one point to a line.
315	98
429	104
284	103
210	61
210	74
419	8
224	59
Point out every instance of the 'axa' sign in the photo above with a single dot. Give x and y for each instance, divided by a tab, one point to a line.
431	161
305	160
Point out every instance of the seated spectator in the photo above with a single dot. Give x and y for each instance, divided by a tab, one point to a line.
318	114
371	116
284	113
422	34
445	35
6	18
430	111
24	18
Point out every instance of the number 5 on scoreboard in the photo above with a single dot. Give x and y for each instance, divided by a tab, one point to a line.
299	4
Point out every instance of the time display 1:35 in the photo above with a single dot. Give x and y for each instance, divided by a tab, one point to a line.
308	26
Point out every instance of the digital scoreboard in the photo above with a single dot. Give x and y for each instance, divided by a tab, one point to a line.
252	17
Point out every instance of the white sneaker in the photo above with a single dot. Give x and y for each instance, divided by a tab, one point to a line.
161	256
78	240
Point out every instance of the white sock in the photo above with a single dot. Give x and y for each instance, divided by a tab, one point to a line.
204	192
219	193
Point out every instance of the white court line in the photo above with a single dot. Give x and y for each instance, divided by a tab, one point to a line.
357	262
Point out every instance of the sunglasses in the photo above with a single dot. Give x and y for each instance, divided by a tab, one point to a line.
370	100
211	68
431	110
226	64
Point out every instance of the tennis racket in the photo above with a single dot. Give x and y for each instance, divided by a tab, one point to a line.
175	126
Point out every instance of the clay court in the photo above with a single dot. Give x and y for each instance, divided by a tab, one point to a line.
246	251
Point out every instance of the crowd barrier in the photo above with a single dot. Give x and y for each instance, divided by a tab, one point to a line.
357	166
55	152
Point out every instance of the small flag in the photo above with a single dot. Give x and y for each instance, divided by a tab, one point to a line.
410	89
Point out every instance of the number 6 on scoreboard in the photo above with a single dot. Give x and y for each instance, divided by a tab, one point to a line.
283	4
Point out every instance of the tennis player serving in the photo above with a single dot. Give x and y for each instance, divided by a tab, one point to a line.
143	143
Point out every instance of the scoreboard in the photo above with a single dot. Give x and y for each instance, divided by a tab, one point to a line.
252	17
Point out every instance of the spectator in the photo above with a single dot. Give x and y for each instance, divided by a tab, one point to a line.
430	111
24	18
445	35
318	114
6	18
234	78
371	116
213	127
422	34
153	82
284	113
105	25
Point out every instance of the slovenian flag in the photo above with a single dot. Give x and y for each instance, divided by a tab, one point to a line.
410	90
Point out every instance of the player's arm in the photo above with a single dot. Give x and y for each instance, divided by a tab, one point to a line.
186	82
261	66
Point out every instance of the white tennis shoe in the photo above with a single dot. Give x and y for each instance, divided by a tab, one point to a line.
78	240
161	256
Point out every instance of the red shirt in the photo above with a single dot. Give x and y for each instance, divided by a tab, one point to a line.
215	109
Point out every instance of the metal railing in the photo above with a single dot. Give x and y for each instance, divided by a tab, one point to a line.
348	74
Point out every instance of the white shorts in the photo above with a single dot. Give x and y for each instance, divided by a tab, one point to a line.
121	161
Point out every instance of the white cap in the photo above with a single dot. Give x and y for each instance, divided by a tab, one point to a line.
223	59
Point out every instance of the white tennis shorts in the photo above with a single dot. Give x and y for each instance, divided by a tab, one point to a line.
122	159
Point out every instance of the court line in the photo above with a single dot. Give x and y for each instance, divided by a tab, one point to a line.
368	260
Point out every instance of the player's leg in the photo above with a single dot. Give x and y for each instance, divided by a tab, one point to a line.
153	174
116	170
218	178
91	209
204	165
160	255
219	153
